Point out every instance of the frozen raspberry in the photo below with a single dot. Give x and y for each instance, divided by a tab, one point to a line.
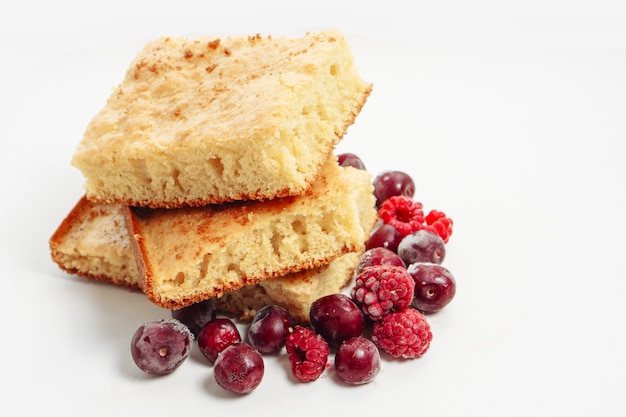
381	289
406	215
439	223
308	353
403	334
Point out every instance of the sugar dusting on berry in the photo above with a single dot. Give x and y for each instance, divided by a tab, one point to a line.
239	368
357	361
435	286
160	347
422	246
308	353
403	334
380	289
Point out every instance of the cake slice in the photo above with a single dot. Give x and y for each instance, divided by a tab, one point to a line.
212	120
190	254
93	242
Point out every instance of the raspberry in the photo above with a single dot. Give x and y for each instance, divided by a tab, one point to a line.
437	222
403	213
308	353
403	334
381	289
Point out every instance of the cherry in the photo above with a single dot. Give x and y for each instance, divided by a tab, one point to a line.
385	236
196	315
216	336
351	160
357	361
435	286
336	318
160	347
422	246
392	183
378	256
239	368
269	329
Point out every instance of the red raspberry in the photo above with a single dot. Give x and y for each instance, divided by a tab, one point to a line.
437	222
308	353
380	289
403	213
403	334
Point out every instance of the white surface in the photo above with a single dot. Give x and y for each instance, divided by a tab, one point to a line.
511	120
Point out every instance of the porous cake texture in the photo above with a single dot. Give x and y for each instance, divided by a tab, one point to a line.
190	254
213	120
92	242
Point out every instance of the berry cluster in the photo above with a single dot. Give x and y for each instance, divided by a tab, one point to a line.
410	243
408	238
398	280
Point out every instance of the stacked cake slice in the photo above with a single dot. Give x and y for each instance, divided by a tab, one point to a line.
210	174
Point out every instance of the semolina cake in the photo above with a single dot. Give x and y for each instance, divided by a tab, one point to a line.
93	242
190	254
213	120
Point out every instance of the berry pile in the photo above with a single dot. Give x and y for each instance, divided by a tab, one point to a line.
398	280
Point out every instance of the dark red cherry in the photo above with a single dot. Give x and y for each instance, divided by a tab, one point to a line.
350	160
269	329
378	256
435	286
392	183
216	336
336	318
422	246
385	236
357	361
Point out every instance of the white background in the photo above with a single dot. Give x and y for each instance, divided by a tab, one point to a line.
510	116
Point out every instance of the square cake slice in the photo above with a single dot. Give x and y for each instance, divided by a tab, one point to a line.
213	120
190	254
92	242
